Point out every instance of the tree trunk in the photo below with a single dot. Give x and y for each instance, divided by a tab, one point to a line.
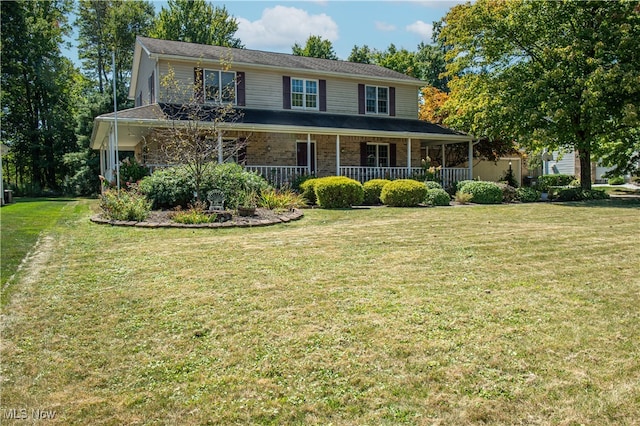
585	168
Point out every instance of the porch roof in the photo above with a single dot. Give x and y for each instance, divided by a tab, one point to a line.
140	120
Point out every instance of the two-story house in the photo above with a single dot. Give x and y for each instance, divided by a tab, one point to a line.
299	115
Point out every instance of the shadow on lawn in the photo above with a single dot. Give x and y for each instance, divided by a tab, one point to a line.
629	202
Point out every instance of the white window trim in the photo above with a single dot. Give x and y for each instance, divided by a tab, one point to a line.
304	94
204	86
377	145
365	100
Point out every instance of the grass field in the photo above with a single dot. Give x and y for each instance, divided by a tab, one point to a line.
510	314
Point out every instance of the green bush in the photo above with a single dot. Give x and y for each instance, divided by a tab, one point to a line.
576	194
284	199
336	192
131	171
372	190
124	205
431	184
168	188
194	215
616	180
528	195
437	197
483	192
297	182
462	197
308	190
403	193
547	181
462	183
509	194
172	187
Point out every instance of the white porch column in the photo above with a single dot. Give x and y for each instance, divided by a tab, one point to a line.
309	152
337	155
408	157
220	155
109	172
470	159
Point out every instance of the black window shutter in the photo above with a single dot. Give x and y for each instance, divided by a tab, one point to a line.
323	95
240	96
392	155
286	92
361	100
198	84
392	101
363	154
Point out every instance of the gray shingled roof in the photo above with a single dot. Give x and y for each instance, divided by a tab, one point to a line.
280	60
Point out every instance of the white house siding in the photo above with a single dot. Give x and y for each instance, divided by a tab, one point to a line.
563	163
147	67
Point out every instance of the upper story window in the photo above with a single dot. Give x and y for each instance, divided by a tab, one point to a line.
219	86
377	100
304	93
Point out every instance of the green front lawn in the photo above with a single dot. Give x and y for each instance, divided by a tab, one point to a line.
507	314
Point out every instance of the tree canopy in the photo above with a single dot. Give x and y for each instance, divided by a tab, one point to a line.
547	74
316	47
196	21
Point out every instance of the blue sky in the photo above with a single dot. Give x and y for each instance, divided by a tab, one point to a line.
276	25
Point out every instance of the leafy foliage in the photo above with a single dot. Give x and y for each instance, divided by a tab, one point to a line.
547	181
336	192
168	188
196	21
315	47
509	193
431	184
124	204
131	170
372	190
437	197
528	195
483	192
548	74
462	197
576	194
308	188
195	214
283	199
403	193
616	180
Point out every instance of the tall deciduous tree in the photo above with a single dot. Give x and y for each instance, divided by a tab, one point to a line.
316	47
363	55
553	74
110	25
37	89
196	21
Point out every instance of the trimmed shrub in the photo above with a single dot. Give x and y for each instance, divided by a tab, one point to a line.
296	183
124	205
336	192
462	183
233	180
403	193
528	195
508	192
430	184
577	194
547	181
372	190
308	190
483	192
437	197
616	180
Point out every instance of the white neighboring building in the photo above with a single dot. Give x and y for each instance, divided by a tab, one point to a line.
568	163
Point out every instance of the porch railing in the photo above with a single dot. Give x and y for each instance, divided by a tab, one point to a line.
449	176
363	174
279	176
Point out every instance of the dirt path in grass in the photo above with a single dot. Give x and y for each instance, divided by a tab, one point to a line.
33	263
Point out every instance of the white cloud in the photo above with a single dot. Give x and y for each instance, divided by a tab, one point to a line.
383	26
280	27
422	29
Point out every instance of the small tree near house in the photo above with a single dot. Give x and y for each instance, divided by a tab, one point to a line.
197	116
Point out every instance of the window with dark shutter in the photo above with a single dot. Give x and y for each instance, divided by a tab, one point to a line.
363	154
361	99
392	155
197	85
392	102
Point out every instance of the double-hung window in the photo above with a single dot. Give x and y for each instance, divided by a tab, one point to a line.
377	155
377	100
304	93
219	86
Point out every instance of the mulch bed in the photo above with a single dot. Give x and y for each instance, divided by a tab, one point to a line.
162	219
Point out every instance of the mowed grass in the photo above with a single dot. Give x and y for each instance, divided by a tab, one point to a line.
510	314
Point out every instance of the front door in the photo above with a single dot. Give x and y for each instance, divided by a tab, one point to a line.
302	155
